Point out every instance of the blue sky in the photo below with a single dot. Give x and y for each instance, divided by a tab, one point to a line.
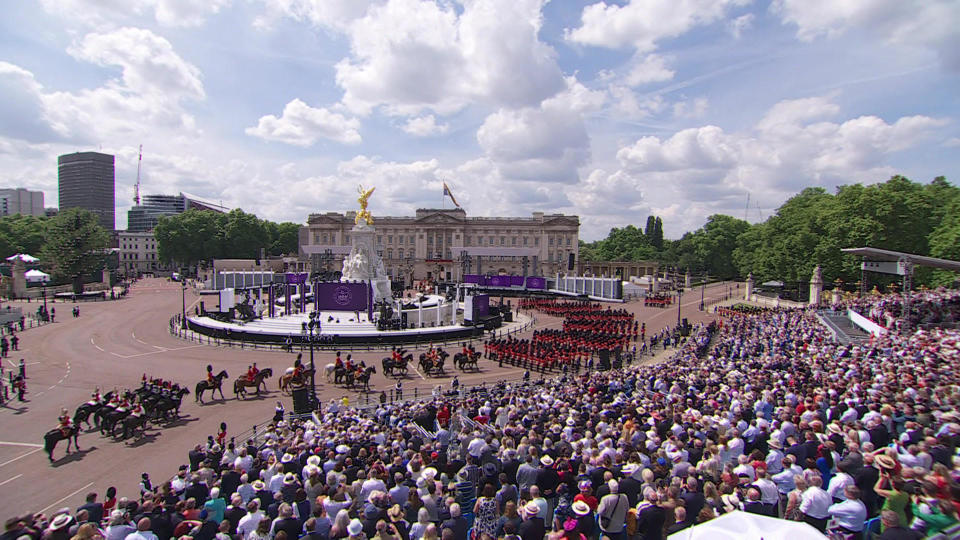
611	111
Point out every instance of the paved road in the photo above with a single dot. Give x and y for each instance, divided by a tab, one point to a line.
112	344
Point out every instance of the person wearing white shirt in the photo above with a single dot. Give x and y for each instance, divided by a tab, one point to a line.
815	503
839	482
249	522
850	514
372	484
774	458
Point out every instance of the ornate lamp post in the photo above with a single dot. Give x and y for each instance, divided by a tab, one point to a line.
314	329
183	305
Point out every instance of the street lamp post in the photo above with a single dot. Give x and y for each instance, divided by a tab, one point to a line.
703	286
314	327
183	303
679	297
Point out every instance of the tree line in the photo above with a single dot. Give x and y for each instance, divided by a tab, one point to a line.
72	244
200	235
808	229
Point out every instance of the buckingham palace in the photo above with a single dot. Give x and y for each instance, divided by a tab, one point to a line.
443	245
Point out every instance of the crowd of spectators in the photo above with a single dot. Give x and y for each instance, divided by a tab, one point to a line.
762	413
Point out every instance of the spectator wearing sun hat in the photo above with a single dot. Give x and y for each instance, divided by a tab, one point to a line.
532	527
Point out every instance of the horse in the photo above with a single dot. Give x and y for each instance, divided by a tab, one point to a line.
217	384
428	365
110	419
287	379
463	361
390	366
86	410
52	437
239	385
329	370
168	404
130	425
363	378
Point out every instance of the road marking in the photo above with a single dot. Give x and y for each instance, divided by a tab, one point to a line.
15	364
134	334
417	371
58	501
156	352
95	345
12	443
8	480
9	461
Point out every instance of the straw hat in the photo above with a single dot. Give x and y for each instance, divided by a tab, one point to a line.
355	527
885	462
546	460
580	508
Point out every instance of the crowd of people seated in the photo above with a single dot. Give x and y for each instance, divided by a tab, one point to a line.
763	413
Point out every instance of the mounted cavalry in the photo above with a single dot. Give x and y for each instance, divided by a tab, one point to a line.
254	378
214	383
431	362
467	359
396	364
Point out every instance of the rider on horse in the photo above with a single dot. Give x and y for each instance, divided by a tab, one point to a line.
66	424
95	398
210	378
137	411
395	355
252	372
297	369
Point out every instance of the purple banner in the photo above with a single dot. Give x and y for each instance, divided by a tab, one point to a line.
471	278
342	296
516	281
536	283
296	278
479	306
498	281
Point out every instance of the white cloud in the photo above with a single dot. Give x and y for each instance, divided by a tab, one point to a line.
302	125
546	143
691	108
741	24
927	23
793	146
149	95
148	61
425	126
408	56
107	13
628	104
331	14
652	68
642	23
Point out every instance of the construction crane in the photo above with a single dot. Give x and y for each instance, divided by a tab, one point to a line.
136	187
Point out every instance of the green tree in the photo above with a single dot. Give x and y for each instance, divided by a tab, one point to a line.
244	235
656	240
22	234
284	238
193	236
76	245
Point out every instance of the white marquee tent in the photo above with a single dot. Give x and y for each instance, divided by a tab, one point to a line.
746	526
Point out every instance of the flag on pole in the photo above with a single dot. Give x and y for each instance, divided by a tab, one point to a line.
447	192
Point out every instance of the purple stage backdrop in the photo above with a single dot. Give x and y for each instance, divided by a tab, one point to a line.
472	278
516	281
296	278
536	283
498	281
342	296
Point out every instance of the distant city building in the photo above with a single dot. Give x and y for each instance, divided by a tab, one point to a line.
432	244
145	216
21	201
138	253
87	180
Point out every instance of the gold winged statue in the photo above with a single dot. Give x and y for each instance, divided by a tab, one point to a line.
364	214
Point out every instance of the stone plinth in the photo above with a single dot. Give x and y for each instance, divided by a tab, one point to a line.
816	286
364	264
748	290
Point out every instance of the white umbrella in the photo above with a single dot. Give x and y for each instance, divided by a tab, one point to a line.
746	526
23	257
36	276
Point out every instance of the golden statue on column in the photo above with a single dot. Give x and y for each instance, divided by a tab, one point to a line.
364	214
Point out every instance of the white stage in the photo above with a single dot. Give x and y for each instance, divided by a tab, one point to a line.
343	323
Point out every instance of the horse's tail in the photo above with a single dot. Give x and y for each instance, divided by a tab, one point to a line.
49	442
199	389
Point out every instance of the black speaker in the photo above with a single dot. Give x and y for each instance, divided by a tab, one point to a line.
507	316
301	401
570	262
604	359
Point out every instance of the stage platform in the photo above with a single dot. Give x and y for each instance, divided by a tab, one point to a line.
336	327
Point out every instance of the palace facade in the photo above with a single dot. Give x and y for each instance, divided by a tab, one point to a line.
443	245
